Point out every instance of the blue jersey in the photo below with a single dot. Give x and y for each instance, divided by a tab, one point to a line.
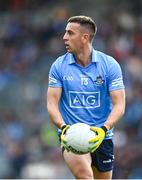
86	90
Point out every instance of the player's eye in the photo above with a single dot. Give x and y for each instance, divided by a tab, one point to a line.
70	33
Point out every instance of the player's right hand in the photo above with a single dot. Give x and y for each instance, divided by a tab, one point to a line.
63	132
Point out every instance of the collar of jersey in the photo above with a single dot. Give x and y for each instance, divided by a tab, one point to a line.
72	59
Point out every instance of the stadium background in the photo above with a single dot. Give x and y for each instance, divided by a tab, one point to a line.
30	40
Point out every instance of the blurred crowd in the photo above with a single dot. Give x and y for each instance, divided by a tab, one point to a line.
30	40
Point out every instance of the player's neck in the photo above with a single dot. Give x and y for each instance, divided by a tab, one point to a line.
84	57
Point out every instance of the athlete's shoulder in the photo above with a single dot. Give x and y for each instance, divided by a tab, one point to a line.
106	59
62	59
60	64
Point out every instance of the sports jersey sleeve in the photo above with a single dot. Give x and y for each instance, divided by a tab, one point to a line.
55	79
115	76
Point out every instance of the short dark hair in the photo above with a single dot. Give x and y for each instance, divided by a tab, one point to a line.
87	22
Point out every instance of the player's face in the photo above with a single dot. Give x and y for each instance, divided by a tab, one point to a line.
73	37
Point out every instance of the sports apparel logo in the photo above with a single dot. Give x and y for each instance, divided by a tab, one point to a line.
107	161
68	78
84	99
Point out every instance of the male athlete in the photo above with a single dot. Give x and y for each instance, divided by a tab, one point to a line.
86	86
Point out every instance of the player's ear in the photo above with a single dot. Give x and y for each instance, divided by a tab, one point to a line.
85	37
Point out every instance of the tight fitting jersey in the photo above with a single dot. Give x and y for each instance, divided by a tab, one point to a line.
86	90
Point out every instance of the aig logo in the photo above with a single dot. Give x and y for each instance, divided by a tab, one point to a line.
84	99
68	78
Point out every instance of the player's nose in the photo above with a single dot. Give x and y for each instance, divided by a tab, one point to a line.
65	37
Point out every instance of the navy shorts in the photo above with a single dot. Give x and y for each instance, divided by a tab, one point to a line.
103	157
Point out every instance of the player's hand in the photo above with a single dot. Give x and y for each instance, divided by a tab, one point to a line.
97	140
63	141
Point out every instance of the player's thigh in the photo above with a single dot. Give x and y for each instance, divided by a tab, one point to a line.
80	165
101	175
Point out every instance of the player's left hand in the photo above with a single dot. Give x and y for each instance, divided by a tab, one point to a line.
97	140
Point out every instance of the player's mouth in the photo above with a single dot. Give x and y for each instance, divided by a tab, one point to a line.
67	46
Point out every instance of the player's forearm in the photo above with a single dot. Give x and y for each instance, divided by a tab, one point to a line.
116	113
55	115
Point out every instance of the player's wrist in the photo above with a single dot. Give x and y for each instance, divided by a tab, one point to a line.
63	126
105	129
